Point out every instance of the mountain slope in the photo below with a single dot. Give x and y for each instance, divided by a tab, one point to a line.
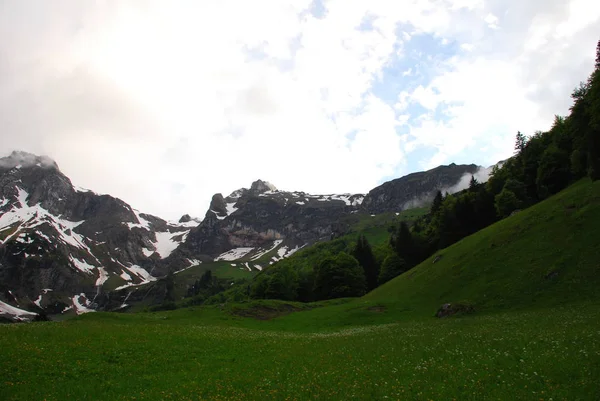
418	189
545	255
252	221
59	246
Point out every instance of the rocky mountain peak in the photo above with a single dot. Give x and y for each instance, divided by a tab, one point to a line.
260	186
22	159
218	205
186	218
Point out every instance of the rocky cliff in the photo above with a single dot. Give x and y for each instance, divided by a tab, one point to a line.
259	216
60	246
417	189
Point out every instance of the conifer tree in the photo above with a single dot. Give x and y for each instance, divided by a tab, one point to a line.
437	202
520	142
364	254
473	183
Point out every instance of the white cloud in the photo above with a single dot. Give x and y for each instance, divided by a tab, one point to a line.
165	103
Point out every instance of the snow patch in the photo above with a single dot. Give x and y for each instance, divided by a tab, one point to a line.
234	254
81	308
358	201
80	189
38	301
102	276
147	252
32	216
187	224
165	244
143	223
125	276
141	273
17	313
231	208
82	265
275	245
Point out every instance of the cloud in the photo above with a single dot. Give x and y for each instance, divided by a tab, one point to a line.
165	103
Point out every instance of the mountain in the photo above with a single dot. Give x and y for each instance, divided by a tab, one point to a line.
63	247
417	189
260	217
59	245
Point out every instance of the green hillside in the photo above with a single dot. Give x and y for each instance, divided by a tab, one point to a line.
546	255
532	279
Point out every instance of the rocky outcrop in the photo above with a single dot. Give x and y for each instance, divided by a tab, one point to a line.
417	189
262	214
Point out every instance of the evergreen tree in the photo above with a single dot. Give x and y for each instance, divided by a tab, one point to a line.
553	172
598	56
520	142
392	266
506	202
339	276
593	134
403	244
364	254
437	202
206	279
473	183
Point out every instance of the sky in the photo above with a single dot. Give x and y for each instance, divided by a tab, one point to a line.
165	103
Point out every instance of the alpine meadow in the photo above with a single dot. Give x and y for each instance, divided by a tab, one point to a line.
475	281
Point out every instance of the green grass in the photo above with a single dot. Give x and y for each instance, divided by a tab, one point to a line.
540	355
218	269
546	255
535	335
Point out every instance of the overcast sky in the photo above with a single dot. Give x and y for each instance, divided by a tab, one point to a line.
164	103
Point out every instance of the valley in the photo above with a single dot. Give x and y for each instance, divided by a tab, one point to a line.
533	335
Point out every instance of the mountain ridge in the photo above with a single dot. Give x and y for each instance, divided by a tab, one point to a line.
66	247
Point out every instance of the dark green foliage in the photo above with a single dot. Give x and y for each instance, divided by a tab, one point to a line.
339	276
392	266
473	183
207	286
506	202
437	202
363	253
169	288
403	244
553	172
283	284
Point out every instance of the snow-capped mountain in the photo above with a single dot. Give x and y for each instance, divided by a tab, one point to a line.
59	245
252	220
63	247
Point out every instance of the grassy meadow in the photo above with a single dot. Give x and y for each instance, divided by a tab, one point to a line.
532	280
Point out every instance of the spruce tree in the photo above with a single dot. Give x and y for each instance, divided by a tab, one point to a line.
520	142
364	254
473	183
403	244
437	202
